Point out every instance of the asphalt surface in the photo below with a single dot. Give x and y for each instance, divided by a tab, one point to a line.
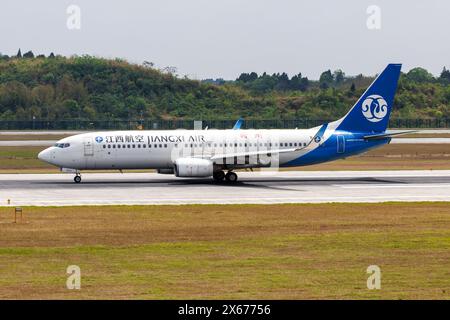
252	187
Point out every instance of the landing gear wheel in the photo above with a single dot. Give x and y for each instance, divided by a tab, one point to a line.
219	176
77	179
231	177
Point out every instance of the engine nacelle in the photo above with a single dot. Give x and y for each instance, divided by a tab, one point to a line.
193	167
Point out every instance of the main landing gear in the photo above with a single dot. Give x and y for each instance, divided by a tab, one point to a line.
229	177
77	178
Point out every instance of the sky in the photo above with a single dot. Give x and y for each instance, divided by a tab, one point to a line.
221	39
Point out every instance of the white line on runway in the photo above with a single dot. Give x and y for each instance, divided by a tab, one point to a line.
382	186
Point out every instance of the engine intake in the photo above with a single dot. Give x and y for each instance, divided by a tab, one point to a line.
192	167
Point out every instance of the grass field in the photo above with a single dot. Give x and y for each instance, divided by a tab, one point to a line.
389	157
22	137
218	251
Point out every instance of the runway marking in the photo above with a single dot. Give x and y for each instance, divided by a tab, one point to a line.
378	186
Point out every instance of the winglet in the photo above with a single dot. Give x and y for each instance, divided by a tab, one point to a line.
238	124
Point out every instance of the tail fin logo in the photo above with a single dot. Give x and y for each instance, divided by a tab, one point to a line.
374	108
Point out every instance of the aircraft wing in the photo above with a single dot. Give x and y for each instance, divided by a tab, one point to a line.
252	153
311	145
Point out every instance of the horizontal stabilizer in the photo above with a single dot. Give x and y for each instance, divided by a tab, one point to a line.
387	135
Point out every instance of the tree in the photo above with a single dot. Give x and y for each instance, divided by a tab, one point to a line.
419	75
339	76
248	77
326	79
445	76
299	83
19	54
148	64
283	82
28	54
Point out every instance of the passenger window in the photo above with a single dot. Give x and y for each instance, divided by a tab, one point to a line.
165	146
114	146
104	146
143	146
134	146
160	145
155	145
109	146
118	146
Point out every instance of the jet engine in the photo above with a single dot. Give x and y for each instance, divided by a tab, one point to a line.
193	167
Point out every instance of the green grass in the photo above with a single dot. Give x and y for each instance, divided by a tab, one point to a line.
230	252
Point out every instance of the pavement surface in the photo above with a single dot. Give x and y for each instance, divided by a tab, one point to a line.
252	187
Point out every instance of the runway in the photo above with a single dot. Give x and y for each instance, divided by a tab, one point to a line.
253	187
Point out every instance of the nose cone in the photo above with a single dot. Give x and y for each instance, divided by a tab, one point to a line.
45	155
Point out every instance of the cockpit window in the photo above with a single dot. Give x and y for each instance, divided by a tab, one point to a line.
62	145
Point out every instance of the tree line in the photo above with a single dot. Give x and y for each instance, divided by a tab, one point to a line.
89	88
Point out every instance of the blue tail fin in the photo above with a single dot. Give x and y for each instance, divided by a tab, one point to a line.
371	112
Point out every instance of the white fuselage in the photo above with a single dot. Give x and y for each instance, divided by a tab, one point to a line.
152	149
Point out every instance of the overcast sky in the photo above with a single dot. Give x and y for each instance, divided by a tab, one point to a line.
213	39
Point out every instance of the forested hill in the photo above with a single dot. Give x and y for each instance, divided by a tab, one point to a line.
91	88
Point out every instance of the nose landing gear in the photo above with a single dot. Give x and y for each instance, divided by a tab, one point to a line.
77	178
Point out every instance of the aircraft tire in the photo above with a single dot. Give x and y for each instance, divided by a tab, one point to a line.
219	176
231	177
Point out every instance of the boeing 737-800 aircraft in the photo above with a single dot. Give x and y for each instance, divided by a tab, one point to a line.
205	153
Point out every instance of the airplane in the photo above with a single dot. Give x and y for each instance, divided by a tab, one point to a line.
211	152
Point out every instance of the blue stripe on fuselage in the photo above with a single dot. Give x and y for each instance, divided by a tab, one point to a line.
328	150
